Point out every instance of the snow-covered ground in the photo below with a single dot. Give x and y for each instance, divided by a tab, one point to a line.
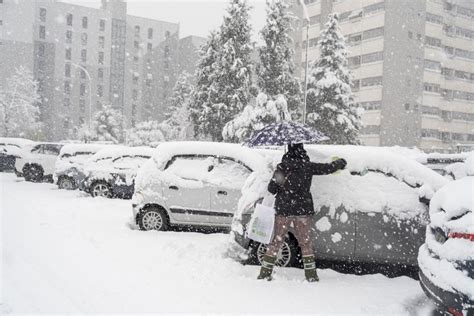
63	251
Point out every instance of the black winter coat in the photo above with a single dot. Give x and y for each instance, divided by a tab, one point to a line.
291	183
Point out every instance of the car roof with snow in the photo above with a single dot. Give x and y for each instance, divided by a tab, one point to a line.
245	155
72	149
20	142
113	152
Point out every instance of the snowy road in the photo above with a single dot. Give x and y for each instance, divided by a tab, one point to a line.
65	252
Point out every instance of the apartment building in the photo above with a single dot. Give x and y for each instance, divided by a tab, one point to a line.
413	67
83	57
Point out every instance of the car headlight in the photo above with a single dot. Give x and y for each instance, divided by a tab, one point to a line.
251	207
138	198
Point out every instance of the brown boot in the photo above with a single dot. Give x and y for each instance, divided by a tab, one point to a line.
267	268
310	269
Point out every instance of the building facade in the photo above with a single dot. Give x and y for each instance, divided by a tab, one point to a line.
84	57
413	67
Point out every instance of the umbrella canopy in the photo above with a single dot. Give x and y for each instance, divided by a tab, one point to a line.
283	133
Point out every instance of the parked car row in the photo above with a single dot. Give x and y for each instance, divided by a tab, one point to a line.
375	211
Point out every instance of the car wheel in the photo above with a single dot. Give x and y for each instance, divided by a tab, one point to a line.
153	218
287	255
66	183
102	189
33	173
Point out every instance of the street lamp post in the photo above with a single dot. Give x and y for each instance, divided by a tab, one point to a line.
90	91
307	19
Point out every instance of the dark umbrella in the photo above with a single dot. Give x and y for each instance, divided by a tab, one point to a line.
283	133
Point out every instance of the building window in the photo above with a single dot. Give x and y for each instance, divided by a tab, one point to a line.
81	120
101	42
135	78
167	34
373	33
42	32
432	65
67	102
68	53
102	25
430	87
100	91
84	39
66	123
41	49
134	95
42	13
67	70
83	74
84	22
101	58
69	37
370	82
137	31
82	105
69	19
431	41
433	18
83	55
100	73
136	44
354	62
167	51
67	87
149	47
82	90
150	33
371	58
135	59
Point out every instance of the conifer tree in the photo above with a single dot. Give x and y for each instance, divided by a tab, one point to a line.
330	102
231	78
276	68
107	124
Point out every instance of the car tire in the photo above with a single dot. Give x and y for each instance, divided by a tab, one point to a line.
33	173
66	183
101	188
153	218
288	255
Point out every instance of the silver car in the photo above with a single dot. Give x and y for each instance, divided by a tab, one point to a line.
193	184
375	211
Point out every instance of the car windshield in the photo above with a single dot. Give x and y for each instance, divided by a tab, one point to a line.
77	157
129	162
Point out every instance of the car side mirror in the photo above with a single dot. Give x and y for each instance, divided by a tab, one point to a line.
210	168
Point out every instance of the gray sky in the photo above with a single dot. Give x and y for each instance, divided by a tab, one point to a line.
196	17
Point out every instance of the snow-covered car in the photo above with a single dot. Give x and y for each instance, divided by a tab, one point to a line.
375	211
10	150
69	168
446	260
194	184
459	170
37	163
111	171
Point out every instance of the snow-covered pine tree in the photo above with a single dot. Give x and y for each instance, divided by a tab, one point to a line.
276	69
145	134
204	76
230	86
330	102
255	117
107	124
19	112
177	117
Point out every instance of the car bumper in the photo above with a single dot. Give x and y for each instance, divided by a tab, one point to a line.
443	298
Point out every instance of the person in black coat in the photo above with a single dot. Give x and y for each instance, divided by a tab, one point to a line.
291	183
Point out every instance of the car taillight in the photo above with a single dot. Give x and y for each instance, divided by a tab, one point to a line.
453	311
462	236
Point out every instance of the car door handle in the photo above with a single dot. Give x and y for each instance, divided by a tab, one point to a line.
173	187
221	192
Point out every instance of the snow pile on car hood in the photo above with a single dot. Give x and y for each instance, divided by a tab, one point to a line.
398	194
15	146
460	170
452	201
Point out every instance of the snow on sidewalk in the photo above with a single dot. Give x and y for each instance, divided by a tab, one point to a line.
63	251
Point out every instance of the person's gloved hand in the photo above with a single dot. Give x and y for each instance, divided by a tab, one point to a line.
340	163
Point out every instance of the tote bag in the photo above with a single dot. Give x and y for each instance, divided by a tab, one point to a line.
261	224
